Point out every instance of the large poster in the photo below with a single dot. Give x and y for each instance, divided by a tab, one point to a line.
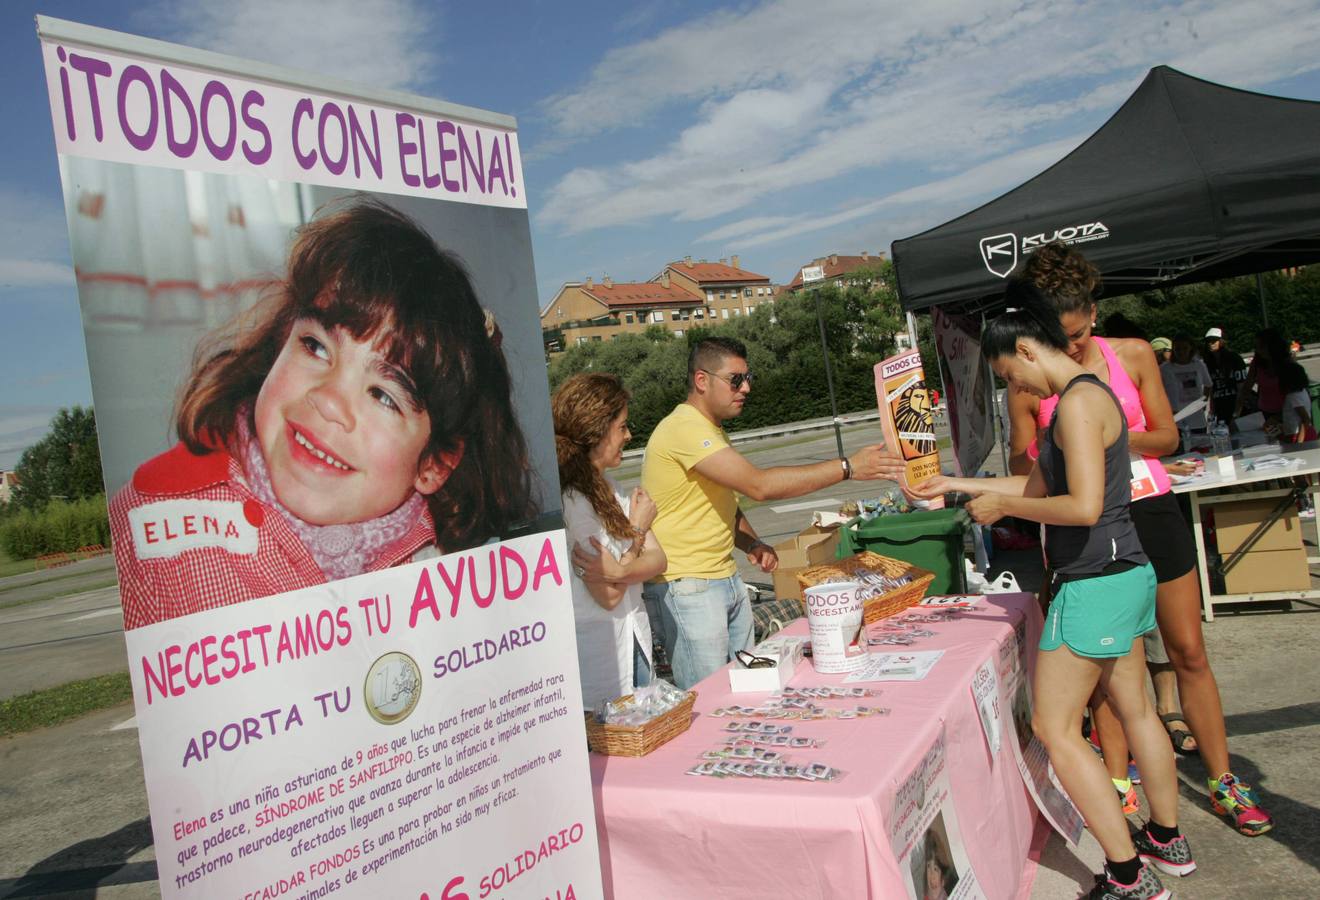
313	336
407	732
958	344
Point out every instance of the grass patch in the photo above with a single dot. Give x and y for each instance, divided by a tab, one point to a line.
11	566
42	709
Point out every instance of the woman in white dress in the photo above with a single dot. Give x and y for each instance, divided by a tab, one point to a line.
613	547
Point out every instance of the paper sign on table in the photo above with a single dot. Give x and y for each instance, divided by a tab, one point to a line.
1034	764
985	690
925	836
912	666
952	601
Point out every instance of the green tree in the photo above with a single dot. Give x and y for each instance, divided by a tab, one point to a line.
64	465
784	351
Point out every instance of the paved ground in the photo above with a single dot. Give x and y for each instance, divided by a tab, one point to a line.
65	627
73	812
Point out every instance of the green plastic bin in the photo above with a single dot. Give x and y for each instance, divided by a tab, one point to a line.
930	539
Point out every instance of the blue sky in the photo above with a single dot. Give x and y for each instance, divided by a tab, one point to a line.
778	131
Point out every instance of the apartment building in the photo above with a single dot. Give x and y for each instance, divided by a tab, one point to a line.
685	294
839	270
727	289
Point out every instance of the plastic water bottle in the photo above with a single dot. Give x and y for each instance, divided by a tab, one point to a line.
1222	442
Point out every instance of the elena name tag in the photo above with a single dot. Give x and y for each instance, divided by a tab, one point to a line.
166	528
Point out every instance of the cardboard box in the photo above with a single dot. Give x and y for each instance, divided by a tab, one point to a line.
811	547
1234	523
1268	570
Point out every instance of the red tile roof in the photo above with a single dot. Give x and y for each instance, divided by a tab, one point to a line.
714	273
836	265
647	294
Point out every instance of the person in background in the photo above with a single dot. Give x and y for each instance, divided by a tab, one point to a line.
1186	380
694	476
1128	367
1162	346
1227	372
1263	374
1295	384
614	549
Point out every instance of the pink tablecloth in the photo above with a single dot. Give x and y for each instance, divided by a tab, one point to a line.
667	834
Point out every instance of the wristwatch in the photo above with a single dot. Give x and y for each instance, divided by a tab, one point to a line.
847	467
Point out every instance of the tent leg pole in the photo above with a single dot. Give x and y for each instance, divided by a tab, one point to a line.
1260	292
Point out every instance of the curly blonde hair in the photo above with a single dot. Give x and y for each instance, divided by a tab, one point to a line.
584	407
1063	275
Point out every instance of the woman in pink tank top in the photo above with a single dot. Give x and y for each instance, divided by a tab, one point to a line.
1149	479
1129	367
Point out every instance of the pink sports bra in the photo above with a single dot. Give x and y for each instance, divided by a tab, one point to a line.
1129	400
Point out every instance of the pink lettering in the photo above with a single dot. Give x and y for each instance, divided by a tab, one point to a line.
546	564
423	598
507	555
455	585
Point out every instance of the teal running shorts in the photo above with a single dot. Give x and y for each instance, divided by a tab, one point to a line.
1100	617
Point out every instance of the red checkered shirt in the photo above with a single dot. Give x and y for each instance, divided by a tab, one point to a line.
189	535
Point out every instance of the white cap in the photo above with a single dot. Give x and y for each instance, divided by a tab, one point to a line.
1215	333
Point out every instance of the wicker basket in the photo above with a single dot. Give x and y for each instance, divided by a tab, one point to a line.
639	740
852	568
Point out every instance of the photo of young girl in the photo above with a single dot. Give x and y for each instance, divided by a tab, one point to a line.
933	873
358	417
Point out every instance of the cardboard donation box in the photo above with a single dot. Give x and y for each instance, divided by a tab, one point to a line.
1277	559
906	417
811	547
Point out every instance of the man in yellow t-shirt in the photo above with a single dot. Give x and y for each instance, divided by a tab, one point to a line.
693	475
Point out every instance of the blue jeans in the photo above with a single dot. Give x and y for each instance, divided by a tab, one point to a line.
703	622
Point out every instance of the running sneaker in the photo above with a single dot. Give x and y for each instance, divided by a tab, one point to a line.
1237	802
1129	799
1173	858
1134	775
1148	887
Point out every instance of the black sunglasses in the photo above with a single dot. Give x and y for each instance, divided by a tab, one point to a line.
752	661
735	381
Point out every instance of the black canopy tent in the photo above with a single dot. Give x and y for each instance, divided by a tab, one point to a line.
1188	181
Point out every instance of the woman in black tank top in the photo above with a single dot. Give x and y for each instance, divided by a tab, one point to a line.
1079	490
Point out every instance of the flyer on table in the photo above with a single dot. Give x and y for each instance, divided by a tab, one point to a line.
312	329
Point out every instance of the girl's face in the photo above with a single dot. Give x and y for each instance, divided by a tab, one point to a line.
338	430
609	452
1022	371
1077	327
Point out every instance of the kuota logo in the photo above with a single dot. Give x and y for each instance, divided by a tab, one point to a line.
1000	253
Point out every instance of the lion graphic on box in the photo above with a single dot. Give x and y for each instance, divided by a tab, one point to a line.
914	420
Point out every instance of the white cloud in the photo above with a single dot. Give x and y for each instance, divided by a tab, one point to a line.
957	192
34	241
784	95
378	43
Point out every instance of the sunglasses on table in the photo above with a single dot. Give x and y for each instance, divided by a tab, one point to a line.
752	661
735	381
